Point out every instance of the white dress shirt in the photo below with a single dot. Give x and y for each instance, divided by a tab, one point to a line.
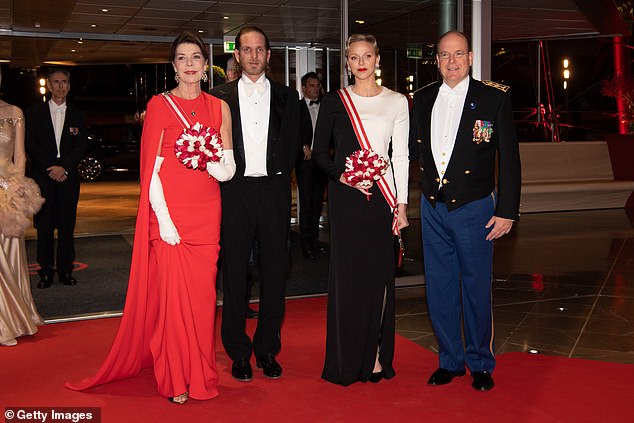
58	115
255	109
445	119
314	111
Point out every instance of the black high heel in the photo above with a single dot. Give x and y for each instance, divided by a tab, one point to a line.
376	377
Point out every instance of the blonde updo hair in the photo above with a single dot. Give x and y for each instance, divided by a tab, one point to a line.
368	38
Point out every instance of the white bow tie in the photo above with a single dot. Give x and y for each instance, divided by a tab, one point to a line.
260	87
57	108
445	90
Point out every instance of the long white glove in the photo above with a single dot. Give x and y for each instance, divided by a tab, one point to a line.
167	229
224	169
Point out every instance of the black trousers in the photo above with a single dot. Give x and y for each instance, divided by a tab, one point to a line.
311	183
254	208
58	212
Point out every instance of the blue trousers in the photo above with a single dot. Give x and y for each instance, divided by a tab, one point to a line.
458	278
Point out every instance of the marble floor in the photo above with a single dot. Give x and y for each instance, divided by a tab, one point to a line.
563	285
563	282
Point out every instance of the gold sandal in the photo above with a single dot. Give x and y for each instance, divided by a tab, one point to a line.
173	399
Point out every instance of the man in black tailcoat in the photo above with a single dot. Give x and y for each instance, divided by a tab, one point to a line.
256	203
55	142
460	129
311	180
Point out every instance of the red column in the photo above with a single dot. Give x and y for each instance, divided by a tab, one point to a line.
622	69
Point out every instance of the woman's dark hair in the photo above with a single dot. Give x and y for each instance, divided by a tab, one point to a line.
190	38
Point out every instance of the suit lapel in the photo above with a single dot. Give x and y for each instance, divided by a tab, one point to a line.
465	130
48	121
278	104
234	105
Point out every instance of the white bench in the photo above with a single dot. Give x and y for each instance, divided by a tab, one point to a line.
569	176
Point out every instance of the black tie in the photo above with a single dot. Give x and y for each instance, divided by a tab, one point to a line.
313	102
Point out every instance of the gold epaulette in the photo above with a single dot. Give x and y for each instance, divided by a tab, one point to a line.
497	85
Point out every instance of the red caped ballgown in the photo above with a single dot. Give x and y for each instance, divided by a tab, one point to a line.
168	319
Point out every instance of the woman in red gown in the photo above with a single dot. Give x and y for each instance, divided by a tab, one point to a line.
168	318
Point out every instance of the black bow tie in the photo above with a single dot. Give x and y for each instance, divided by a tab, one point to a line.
313	102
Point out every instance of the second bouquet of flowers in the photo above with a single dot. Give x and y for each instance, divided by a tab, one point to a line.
197	146
364	167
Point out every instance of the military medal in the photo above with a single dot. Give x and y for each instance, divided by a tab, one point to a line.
482	131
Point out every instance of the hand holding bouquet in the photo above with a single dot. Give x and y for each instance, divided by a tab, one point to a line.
363	167
197	146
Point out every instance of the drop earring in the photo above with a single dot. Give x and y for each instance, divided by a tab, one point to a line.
205	78
349	72
176	78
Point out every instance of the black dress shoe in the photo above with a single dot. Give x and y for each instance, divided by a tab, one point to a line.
443	376
241	370
308	254
251	314
45	281
269	366
67	279
318	248
376	377
482	381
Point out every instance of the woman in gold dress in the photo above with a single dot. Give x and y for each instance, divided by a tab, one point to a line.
19	200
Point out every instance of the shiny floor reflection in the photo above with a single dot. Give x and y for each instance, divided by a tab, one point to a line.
563	285
563	282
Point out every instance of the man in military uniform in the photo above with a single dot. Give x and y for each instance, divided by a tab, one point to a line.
458	130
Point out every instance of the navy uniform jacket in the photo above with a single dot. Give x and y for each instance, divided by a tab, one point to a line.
471	171
284	136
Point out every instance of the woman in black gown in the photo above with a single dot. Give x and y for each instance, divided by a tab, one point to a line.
360	327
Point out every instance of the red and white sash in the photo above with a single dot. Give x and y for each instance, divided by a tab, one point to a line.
178	112
359	130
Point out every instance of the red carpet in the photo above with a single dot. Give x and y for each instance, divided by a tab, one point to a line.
530	388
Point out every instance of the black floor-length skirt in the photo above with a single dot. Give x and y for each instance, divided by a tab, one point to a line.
361	277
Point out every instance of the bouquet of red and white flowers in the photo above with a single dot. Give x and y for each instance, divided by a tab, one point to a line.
197	146
364	167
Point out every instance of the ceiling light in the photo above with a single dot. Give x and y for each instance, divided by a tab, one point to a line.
105	10
80	41
36	24
93	26
533	351
73	50
359	21
200	31
225	17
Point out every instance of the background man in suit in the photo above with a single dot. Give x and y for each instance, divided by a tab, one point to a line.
311	181
232	72
256	203
458	129
55	142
